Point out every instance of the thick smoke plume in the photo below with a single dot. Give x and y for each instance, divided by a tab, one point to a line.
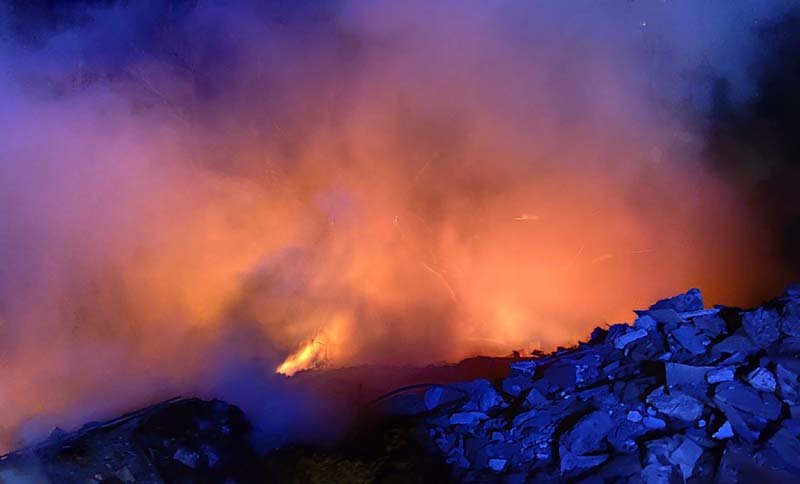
190	193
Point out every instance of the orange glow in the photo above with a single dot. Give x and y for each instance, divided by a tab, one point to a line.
407	189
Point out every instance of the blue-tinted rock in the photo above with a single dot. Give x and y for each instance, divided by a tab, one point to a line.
654	423
676	404
792	291
526	367
517	384
645	322
749	400
690	339
624	339
790	318
710	324
589	434
761	326
720	374
691	300
571	462
682	376
467	418
497	465
686	457
482	395
762	380
725	431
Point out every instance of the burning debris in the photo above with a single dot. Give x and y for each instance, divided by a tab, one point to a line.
685	394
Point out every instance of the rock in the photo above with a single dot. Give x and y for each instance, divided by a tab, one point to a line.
187	457
747	399
515	385
725	431
675	404
792	291
721	374
589	434
467	418
686	456
691	300
433	397
646	322
125	475
761	326
634	416
497	465
790	319
711	324
661	474
762	380
654	423
571	462
482	395
628	337
690	339
682	376
524	367
787	447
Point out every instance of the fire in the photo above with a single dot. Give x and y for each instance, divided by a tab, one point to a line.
421	194
308	356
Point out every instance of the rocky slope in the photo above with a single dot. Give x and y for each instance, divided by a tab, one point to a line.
684	394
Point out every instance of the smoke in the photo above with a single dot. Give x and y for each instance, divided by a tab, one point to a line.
190	193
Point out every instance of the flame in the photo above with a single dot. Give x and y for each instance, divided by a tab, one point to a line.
306	357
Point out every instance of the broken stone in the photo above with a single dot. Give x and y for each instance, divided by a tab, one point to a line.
625	339
654	423
571	462
646	322
588	435
676	404
516	384
662	316
762	379
709	323
497	465
467	418
482	395
722	374
660	474
790	319
524	367
686	456
761	326
748	400
691	300
433	397
634	416
187	457
681	376
792	291
125	475
725	431
690	339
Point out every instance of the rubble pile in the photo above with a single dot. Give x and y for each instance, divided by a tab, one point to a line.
684	394
180	440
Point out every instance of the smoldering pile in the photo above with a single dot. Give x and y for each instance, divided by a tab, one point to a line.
685	394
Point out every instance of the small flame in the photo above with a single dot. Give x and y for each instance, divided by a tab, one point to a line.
306	357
